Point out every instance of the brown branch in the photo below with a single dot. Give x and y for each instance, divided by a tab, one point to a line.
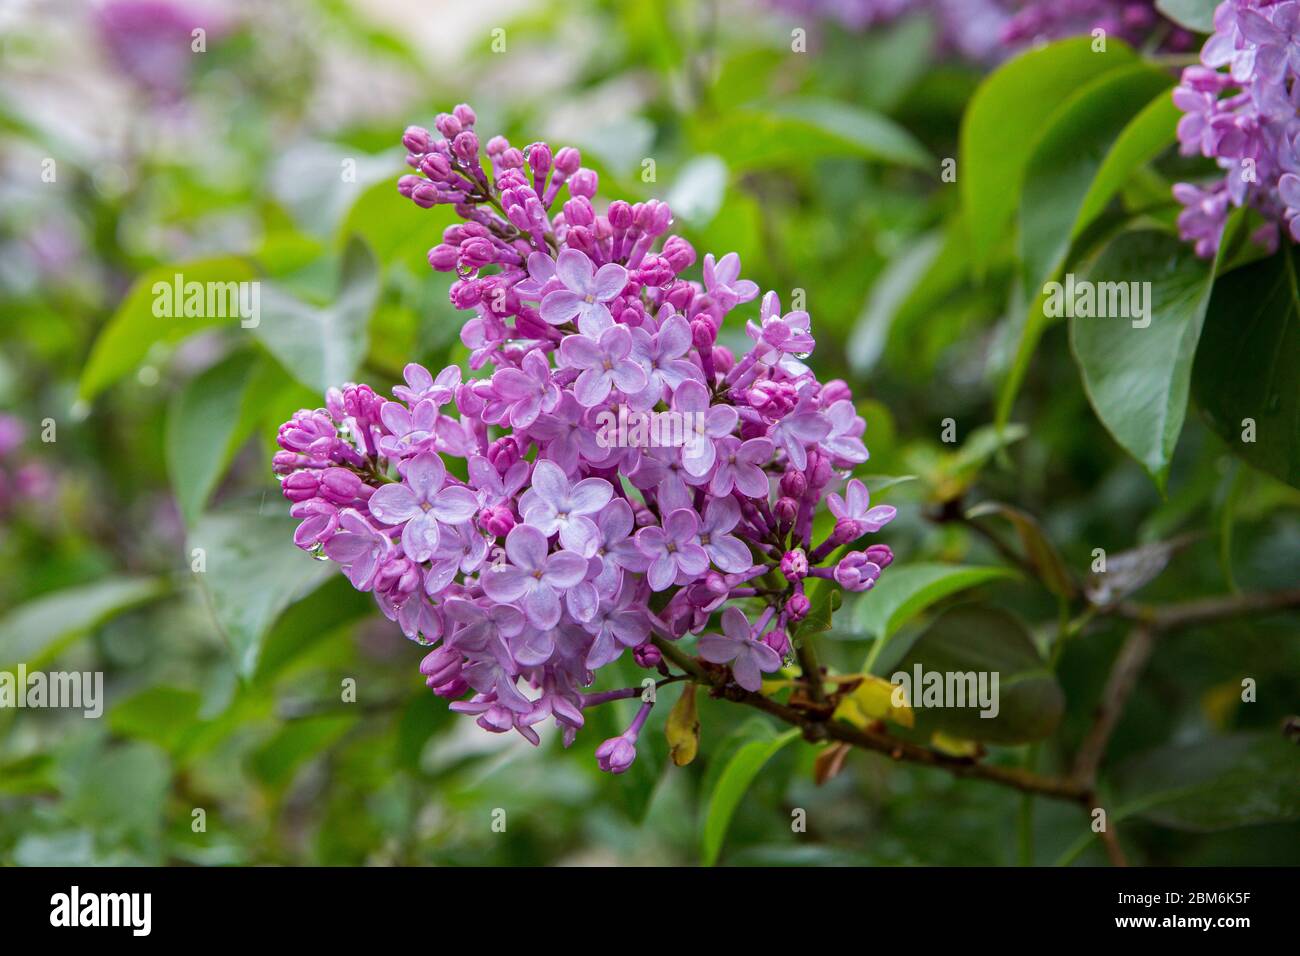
1172	617
1123	679
815	729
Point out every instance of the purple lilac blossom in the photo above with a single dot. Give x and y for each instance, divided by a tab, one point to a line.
560	552
1242	109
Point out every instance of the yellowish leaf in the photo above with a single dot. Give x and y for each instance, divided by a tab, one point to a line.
873	699
683	728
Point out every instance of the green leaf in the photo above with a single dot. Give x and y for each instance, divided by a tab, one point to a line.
984	641
797	131
1146	136
1064	165
396	229
160	715
903	592
1215	784
323	346
204	431
1194	15
899	281
1038	548
1137	378
1246	364
277	760
134	328
38	630
1002	125
735	779
825	598
122	793
254	571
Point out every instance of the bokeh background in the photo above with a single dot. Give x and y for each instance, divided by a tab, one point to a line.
263	156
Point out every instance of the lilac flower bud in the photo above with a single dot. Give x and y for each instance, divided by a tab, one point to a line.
465	146
819	470
723	359
511	159
448	125
646	655
442	257
496	146
777	640
679	253
425	195
503	453
436	166
465	114
496	520
880	554
408	183
584	182
616	755
578	212
835	390
846	530
855	572
798	606
794	484
441	666
703	334
567	161
655	272
620	215
417	139
476	253
465	295
794	564
786	509
539	158
342	487
301	486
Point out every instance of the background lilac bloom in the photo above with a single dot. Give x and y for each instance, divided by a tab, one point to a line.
843	440
604	362
749	658
673	550
419	502
533	576
585	294
555	505
420	385
359	548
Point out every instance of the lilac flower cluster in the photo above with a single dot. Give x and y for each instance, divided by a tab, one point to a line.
990	30
24	482
1242	109
497	520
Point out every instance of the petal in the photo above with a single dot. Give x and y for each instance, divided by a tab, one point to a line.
752	481
526	547
755	451
609	281
505	584
717	649
560	306
578	351
735	625
682	525
730	554
856	498
662	572
745	670
590	495
420	537
455	505
542	607
393	504
592	387
564	569
575	270
550	484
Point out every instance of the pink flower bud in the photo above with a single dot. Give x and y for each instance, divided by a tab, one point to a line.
703	334
794	564
496	520
794	484
798	606
786	509
646	655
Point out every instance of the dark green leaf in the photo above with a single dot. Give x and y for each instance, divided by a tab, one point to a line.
736	777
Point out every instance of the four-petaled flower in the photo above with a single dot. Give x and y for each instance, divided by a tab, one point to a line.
586	290
674	550
419	502
749	658
533	576
553	504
